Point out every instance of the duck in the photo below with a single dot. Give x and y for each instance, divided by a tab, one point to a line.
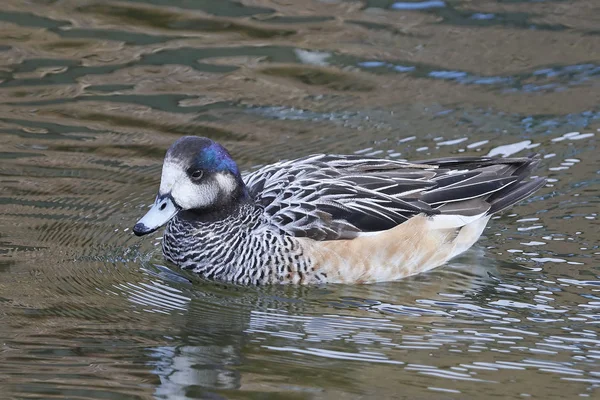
326	218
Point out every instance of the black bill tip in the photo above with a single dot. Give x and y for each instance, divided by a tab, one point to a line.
140	229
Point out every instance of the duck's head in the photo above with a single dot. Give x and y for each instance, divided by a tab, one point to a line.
198	174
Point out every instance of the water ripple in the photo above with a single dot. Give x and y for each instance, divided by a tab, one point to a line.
94	93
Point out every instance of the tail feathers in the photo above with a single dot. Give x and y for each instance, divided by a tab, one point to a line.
518	190
528	167
513	194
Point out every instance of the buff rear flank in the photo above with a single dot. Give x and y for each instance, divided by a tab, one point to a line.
417	245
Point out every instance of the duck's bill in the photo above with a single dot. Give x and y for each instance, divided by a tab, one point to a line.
161	212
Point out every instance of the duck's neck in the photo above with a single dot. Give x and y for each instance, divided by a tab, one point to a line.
215	213
208	242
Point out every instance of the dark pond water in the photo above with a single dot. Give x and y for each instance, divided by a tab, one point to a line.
93	92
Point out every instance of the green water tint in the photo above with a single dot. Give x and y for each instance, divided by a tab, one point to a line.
319	77
167	20
92	95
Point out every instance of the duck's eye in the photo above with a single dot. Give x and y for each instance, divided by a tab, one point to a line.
197	174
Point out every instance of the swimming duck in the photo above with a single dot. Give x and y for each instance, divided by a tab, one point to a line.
325	218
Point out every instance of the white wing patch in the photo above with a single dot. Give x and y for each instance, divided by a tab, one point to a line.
445	221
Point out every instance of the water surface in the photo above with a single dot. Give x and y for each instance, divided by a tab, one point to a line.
91	95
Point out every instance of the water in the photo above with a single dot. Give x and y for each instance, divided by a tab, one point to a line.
91	95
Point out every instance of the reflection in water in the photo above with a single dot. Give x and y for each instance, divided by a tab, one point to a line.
93	94
556	79
419	5
460	312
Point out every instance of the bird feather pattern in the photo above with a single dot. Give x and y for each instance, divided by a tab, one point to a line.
331	197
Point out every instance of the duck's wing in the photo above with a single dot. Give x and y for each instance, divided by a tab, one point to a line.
328	197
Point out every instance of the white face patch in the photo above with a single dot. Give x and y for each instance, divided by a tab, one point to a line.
188	194
171	172
226	182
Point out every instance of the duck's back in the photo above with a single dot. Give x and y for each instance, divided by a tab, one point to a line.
333	197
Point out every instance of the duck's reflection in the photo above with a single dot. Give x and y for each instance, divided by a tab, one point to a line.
182	369
216	327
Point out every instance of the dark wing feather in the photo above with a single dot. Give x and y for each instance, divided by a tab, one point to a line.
329	197
340	196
